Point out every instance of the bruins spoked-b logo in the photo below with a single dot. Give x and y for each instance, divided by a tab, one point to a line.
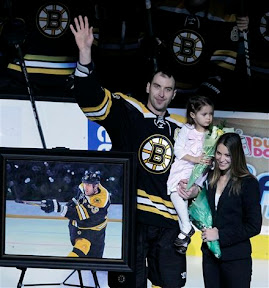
52	20
264	24
156	153
187	46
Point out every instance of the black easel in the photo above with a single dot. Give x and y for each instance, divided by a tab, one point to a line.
96	283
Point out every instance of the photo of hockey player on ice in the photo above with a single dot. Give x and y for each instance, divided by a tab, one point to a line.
64	209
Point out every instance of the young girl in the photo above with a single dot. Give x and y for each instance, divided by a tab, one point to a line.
188	150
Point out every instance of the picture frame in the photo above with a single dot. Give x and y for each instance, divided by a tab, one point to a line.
32	238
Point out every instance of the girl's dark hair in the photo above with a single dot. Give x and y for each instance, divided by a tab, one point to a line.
194	104
239	167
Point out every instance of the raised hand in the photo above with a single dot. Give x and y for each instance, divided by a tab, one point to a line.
84	38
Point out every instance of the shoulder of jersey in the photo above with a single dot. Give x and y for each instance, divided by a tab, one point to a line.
134	102
179	120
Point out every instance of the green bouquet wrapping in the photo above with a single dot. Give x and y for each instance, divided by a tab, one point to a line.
201	217
209	146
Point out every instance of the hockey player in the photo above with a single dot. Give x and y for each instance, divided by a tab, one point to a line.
87	214
148	130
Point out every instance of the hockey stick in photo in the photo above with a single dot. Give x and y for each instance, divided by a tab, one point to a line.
32	203
17	198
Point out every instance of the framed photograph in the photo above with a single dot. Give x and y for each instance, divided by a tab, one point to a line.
44	204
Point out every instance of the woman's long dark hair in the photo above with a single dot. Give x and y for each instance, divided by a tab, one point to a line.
238	168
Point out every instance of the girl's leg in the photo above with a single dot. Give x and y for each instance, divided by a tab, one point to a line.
181	207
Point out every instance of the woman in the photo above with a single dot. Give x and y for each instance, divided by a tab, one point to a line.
234	199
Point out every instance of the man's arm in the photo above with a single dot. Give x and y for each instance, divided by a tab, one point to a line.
187	194
84	38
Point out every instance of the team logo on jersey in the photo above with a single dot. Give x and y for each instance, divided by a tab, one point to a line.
264	26
156	154
94	209
53	20
187	46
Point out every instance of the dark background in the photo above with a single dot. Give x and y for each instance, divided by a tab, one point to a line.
127	66
32	180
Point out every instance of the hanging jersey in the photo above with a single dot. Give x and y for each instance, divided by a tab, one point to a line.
120	31
197	45
49	49
259	41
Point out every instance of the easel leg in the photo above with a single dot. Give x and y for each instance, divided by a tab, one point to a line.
96	283
95	278
80	279
23	270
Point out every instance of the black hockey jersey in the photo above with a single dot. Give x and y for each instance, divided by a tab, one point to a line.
254	46
133	128
258	37
48	47
89	212
197	45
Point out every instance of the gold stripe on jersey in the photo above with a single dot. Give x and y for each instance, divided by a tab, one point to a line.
142	108
224	58
156	211
98	227
178	119
42	70
82	212
57	59
43	64
101	111
155	204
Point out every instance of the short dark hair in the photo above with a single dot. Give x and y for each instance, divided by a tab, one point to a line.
91	177
163	70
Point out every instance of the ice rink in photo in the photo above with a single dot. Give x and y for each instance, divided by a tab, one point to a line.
34	237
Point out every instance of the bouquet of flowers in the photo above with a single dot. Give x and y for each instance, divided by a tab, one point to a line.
201	217
209	149
199	210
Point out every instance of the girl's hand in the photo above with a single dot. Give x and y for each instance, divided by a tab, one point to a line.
203	159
